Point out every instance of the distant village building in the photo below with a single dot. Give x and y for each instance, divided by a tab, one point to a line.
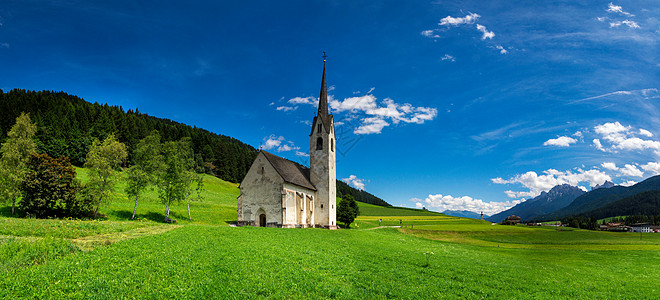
511	220
277	192
641	227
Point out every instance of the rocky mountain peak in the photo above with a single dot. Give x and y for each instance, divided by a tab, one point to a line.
606	185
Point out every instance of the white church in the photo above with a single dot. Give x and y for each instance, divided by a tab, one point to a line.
277	192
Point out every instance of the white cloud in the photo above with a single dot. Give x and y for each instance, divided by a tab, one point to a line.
611	129
605	95
441	203
300	153
287	108
513	194
278	143
628	183
631	170
373	115
303	100
468	19
598	145
578	134
363	103
631	24
611	8
448	57
622	138
486	34
537	183
562	141
371	125
645	132
4	45
610	166
355	182
653	167
272	141
502	50
429	33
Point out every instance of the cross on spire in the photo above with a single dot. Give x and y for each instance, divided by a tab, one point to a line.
324	56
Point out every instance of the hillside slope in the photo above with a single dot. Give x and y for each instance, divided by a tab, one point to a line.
645	203
558	197
603	196
67	124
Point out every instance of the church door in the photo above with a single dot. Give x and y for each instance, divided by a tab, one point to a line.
262	220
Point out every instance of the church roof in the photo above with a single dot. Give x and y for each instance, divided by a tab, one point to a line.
291	172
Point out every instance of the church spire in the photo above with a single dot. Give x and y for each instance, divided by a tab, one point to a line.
323	99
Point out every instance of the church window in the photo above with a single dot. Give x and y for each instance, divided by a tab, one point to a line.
319	130
321	205
332	145
262	170
319	143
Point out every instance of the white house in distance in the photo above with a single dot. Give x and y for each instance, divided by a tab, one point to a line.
640	227
277	192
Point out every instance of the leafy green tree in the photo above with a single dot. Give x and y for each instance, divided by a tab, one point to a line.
146	162
347	210
192	182
49	188
170	182
15	153
104	160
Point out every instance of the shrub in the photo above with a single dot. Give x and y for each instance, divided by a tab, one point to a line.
49	189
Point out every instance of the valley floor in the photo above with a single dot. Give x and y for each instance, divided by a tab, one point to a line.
430	256
211	261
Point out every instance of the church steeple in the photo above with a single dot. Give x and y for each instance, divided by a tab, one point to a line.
323	99
322	157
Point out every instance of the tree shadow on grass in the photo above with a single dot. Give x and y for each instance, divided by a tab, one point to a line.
153	216
123	214
5	211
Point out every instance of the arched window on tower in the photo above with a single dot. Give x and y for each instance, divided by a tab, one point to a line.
319	143
332	145
319	130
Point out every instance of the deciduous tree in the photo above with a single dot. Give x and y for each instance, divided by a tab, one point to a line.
347	210
49	189
147	161
104	160
15	153
170	180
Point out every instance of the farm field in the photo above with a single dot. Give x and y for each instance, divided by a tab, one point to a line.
206	258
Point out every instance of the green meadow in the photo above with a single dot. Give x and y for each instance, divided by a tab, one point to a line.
411	254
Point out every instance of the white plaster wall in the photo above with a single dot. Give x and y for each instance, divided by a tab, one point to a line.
261	190
293	214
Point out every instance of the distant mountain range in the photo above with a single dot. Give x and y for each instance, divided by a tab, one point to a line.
464	214
557	198
598	198
606	200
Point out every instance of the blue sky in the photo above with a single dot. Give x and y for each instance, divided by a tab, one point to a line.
472	105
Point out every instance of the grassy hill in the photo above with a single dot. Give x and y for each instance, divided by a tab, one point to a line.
432	256
375	210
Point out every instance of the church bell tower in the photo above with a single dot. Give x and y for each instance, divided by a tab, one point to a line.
323	168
